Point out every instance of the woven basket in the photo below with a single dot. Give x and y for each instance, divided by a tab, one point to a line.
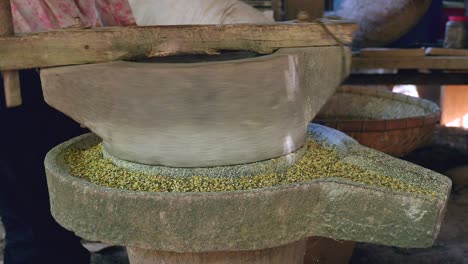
389	122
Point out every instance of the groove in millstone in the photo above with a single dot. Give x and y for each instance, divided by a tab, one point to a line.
319	161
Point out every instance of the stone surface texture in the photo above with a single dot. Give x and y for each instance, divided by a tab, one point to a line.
254	219
200	114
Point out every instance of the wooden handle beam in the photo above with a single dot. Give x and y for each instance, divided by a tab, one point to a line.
81	46
11	82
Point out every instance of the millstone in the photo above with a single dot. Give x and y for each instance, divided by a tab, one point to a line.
200	114
255	219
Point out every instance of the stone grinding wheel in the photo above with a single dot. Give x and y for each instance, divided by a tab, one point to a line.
200	114
185	227
382	22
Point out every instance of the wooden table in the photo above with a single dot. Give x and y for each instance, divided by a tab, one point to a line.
434	66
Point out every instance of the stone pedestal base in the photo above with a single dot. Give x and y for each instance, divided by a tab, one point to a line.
292	254
327	250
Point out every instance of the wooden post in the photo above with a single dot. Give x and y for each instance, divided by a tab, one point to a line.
277	6
313	8
11	80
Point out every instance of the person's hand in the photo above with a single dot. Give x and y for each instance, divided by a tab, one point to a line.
180	12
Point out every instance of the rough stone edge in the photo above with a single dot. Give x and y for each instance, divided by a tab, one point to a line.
351	152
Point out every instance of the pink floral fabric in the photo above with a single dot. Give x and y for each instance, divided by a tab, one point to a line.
43	15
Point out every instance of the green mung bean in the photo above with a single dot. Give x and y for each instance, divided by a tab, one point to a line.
318	162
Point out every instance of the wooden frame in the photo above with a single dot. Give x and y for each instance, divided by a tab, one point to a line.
81	46
410	66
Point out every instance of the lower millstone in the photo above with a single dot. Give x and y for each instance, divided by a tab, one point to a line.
242	220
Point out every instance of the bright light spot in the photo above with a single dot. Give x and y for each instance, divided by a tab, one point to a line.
410	90
459	122
454	123
292	80
288	144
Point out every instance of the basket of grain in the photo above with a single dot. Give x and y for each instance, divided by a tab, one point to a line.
392	123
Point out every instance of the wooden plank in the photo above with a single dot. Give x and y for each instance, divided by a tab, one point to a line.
11	83
386	52
408	78
431	63
80	46
446	52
